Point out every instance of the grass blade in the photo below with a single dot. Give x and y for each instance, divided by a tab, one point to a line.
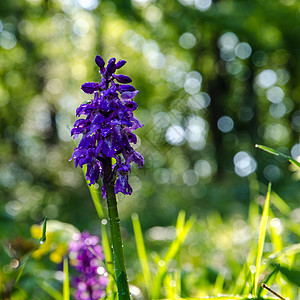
95	196
261	239
179	240
274	152
179	228
267	149
177	278
275	235
293	275
66	285
245	275
180	221
51	291
268	280
104	237
287	251
140	245
42	240
254	191
170	287
219	283
39	242
21	272
171	254
280	204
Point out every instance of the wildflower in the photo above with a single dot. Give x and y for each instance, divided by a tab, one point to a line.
107	129
86	255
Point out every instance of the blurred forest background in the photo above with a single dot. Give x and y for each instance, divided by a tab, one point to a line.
215	78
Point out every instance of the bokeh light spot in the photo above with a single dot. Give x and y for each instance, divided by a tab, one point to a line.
296	120
88	4
175	135
153	14
7	40
228	41
187	40
295	152
203	168
233	67
275	94
277	133
81	27
272	173
141	3
244	164
243	50
79	71
266	78
277	110
199	101
225	124
54	86
203	5
283	76
190	178
196	131
193	81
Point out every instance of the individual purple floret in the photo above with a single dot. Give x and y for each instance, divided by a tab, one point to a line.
107	129
86	256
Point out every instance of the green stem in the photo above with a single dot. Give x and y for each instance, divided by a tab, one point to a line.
121	275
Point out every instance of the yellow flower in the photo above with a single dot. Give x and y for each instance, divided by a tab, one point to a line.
58	235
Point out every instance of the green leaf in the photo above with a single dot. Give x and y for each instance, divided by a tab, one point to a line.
51	291
267	149
38	243
180	221
268	280
274	152
95	196
292	275
280	204
219	283
261	239
104	238
245	274
287	251
141	249
294	162
276	239
171	253
169	287
42	240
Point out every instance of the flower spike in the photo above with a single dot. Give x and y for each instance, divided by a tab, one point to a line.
107	128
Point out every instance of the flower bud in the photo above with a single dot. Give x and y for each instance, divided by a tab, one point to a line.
120	63
90	87
99	61
111	66
123	78
125	87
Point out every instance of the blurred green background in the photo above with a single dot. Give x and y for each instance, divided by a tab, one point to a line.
215	78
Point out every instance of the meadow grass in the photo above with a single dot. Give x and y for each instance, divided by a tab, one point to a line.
269	257
160	281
